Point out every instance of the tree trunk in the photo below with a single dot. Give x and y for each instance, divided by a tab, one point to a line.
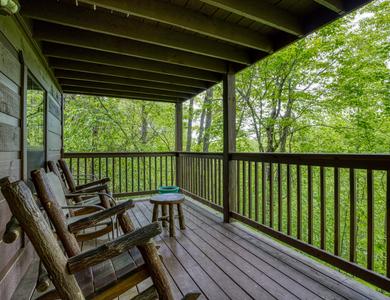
144	125
209	112
189	128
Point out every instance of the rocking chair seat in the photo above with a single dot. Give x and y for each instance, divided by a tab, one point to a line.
95	280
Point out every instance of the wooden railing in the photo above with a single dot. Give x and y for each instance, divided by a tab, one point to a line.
333	207
201	177
130	173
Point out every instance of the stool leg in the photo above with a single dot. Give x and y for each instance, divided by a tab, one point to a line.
171	221
164	213
155	213
181	216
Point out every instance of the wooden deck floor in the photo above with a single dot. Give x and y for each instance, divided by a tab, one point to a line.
226	261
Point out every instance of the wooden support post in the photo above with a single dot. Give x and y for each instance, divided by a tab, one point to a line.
23	105
179	140
229	143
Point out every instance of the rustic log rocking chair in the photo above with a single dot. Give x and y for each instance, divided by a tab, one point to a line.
58	208
73	277
91	193
71	182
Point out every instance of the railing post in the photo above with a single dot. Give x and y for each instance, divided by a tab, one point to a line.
178	139
229	143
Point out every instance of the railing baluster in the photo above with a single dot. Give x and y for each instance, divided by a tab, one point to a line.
310	204
244	182
120	174
288	175
280	203
126	175
238	187
107	167
370	221
161	171
299	203
155	173
256	192
336	225
182	165
92	169
387	216
138	175
150	172
323	208
71	164
85	170
78	171
250	189
263	193
352	207
144	169
166	170
100	168
271	195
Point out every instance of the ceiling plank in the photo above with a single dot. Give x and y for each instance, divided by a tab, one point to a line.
261	12
65	74
335	5
106	58
102	22
117	94
86	39
178	16
65	64
122	88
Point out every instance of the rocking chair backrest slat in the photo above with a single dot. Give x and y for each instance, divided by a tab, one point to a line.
54	211
25	209
56	187
68	175
53	167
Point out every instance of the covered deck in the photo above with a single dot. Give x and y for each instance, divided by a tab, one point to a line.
170	51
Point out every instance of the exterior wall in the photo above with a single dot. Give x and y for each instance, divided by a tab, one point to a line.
15	258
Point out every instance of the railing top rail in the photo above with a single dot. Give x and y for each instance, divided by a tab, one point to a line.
217	155
115	154
357	161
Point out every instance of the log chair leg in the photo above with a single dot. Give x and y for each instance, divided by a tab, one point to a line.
171	221
181	216
164	214
152	260
155	212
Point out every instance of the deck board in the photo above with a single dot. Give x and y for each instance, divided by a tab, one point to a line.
229	261
246	265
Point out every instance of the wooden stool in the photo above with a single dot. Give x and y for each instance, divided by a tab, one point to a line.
168	200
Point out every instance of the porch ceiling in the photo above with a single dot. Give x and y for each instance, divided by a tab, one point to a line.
166	50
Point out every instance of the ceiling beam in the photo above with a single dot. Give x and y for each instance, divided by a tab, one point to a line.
335	5
185	18
106	58
261	12
65	74
87	39
116	94
65	64
98	21
122	88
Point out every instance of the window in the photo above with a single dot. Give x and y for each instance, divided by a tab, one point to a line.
35	122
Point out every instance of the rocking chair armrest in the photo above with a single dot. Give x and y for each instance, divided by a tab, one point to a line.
102	181
95	207
92	189
99	216
114	248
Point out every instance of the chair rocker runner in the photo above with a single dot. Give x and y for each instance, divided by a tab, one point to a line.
73	277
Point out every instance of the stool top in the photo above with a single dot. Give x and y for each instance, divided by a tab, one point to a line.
167	198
